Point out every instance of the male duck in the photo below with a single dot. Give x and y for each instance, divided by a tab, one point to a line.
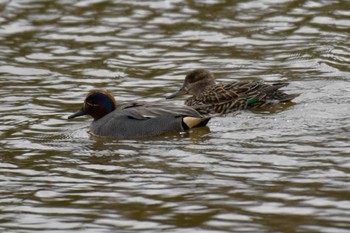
209	97
135	120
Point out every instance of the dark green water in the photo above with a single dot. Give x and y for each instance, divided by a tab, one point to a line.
287	171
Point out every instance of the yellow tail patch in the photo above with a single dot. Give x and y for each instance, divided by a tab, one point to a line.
192	122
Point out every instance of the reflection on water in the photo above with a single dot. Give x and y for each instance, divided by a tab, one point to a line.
284	169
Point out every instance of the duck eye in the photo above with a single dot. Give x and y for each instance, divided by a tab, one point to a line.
91	102
195	78
192	78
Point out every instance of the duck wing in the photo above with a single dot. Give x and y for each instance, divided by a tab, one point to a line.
145	110
233	96
227	91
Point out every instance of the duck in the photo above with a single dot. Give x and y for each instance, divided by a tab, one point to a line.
135	119
209	97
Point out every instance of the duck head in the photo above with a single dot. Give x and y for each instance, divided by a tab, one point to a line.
195	83
97	104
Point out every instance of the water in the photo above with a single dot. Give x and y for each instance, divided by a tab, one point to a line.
283	171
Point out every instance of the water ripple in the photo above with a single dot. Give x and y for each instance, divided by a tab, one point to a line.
275	170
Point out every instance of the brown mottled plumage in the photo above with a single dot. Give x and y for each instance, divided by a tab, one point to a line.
209	97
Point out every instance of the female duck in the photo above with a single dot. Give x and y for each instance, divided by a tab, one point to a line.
209	97
135	120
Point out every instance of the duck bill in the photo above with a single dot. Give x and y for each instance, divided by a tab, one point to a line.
81	112
181	92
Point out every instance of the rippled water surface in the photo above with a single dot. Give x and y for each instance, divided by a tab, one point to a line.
262	171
